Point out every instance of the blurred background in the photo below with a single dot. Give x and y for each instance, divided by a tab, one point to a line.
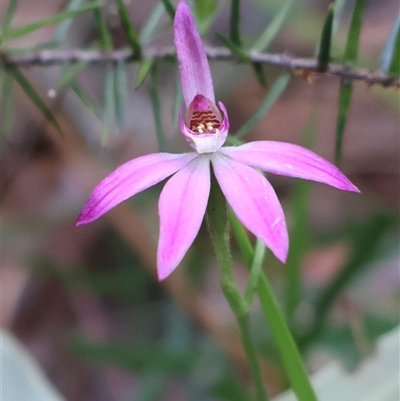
85	301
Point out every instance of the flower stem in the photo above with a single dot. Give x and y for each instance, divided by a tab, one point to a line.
290	354
218	225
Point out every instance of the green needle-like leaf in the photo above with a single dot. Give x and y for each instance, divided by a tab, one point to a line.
273	27
205	11
109	105
271	97
353	38
12	4
178	99
128	28
85	98
69	74
170	8
299	235
326	40
391	54
290	355
349	57
105	36
259	72
155	101
345	94
31	93
152	24
7	101
120	91
235	49
13	33
142	72
63	28
234	23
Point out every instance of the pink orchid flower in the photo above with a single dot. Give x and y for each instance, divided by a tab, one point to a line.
184	198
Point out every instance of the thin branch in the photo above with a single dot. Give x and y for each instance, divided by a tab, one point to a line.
296	65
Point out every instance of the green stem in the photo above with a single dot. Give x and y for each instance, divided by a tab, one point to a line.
291	358
218	225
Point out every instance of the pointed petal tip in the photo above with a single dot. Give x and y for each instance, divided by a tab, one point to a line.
164	267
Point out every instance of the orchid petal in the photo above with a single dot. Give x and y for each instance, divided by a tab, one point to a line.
254	201
181	207
290	160
129	179
194	69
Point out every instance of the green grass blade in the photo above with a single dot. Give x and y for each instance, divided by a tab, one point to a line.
273	27
235	49
7	101
345	94
234	23
142	72
128	28
109	105
169	8
155	101
178	99
120	91
272	96
259	73
105	36
299	243
13	33
12	5
290	355
353	38
63	28
339	5
299	234
205	11
84	98
152	23
326	40
35	98
390	59
69	73
242	239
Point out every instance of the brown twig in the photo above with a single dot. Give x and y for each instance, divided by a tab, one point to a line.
281	60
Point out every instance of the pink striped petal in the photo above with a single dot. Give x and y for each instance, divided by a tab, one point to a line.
130	179
289	160
194	69
182	205
254	201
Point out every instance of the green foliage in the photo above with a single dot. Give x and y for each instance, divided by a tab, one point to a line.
170	8
234	31
35	98
272	96
205	11
101	25
353	38
390	60
155	101
273	28
345	94
128	28
326	40
13	33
